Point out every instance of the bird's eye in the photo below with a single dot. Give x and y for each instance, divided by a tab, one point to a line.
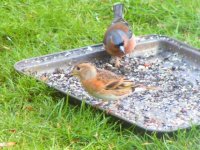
121	44
78	68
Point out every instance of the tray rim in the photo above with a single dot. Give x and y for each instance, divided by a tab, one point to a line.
158	38
193	49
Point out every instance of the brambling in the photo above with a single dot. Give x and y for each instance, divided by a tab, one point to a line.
101	83
119	39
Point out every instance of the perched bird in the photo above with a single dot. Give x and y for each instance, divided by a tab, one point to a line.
101	83
119	39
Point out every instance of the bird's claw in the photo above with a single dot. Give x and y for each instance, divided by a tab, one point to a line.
98	104
117	63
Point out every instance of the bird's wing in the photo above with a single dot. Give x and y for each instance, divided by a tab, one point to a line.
113	81
124	26
107	76
107	73
119	84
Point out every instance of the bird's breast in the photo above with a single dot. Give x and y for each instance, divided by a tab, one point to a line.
92	85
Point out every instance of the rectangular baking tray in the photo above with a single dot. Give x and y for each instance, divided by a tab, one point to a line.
152	47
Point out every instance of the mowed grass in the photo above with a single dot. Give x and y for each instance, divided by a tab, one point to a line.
37	117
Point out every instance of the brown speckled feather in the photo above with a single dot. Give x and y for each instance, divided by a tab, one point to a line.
102	83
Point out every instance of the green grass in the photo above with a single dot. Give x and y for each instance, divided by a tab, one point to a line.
37	117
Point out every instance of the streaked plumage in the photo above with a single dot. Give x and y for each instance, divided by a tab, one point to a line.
101	83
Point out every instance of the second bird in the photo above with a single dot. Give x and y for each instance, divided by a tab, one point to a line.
119	39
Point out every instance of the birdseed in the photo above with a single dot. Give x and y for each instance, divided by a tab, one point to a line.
173	104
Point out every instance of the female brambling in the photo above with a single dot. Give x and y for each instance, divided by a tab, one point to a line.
118	39
101	83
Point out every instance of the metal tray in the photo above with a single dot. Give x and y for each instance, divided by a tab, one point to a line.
157	60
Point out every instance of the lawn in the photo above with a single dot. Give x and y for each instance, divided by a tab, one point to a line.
37	117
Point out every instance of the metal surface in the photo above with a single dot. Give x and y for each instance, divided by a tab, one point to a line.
48	63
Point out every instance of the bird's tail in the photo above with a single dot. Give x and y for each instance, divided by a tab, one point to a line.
118	11
134	86
141	87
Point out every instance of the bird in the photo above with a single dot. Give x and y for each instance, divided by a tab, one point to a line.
102	84
118	38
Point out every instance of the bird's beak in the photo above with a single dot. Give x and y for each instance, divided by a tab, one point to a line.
122	49
72	74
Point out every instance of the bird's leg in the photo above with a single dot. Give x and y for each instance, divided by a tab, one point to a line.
117	62
117	104
108	111
100	104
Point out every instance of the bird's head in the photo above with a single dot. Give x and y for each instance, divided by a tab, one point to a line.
117	38
84	71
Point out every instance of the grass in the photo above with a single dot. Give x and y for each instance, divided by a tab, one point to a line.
37	117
